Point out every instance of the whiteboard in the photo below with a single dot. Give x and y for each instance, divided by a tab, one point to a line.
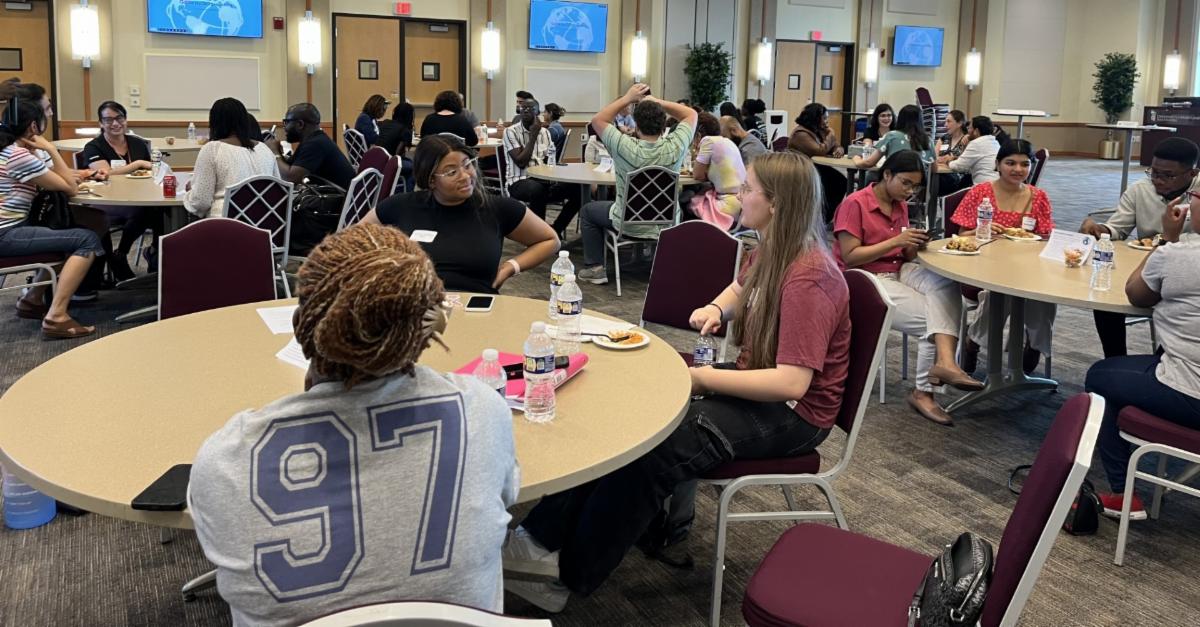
578	90
191	82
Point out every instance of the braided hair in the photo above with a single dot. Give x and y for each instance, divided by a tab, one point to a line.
370	304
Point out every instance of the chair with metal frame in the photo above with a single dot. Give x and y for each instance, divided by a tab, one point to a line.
393	181
651	200
421	614
192	278
375	157
265	202
356	145
360	197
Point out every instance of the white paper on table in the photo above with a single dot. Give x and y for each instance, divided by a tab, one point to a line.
606	165
293	354
163	170
1061	240
278	319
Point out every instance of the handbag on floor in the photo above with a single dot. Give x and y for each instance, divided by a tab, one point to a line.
955	586
1084	517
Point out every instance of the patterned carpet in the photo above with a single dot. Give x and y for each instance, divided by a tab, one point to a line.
911	483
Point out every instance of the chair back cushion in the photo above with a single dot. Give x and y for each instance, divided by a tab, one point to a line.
693	263
652	196
950	204
923	97
375	157
780	144
264	202
391	172
361	197
868	323
211	263
1039	161
1035	507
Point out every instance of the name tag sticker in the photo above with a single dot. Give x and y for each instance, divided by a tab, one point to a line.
116	163
420	235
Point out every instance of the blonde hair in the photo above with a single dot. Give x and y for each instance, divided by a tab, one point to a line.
370	303
789	181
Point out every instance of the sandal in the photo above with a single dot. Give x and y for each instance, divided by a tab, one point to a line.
31	311
66	330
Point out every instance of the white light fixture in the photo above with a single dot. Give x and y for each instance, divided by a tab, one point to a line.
310	42
871	65
85	33
1172	72
763	60
974	68
490	50
639	55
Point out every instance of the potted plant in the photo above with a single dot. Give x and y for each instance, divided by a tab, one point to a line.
1113	93
709	73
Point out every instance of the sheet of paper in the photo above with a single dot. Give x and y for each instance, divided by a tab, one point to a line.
293	354
278	319
163	170
606	165
1061	240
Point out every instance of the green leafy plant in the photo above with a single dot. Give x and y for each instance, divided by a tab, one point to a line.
709	73
1113	90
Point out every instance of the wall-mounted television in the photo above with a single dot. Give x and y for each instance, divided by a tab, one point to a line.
213	18
568	26
918	46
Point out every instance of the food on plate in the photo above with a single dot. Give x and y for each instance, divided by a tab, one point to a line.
143	173
1019	233
963	244
1148	242
625	337
1073	257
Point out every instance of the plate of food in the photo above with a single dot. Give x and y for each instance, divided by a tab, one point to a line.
1021	235
961	246
1146	243
622	340
140	174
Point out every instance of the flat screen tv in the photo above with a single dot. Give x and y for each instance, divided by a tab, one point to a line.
917	45
213	18
568	26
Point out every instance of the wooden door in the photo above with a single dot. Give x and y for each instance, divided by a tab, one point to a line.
432	62
829	85
367	52
25	45
795	62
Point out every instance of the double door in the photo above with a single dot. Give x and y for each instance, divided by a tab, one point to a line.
811	71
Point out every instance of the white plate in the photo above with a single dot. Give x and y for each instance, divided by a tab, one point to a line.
1035	238
958	252
139	176
607	343
1137	246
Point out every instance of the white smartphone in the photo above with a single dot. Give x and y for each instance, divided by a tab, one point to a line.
480	303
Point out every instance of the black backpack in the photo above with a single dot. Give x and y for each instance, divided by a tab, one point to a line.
51	210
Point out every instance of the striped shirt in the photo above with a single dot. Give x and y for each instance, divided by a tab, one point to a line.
18	168
544	152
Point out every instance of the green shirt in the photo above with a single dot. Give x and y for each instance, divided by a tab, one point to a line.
895	141
629	153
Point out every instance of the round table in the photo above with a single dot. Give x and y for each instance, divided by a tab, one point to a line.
1013	272
120	191
151	396
182	144
582	174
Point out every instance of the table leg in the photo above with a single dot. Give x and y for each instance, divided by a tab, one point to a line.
998	381
1020	127
1125	160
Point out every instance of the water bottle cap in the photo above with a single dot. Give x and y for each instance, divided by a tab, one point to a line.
537	327
1105	236
562	254
491	354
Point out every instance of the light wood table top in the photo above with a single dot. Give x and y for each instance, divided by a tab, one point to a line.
121	190
65	429
1133	127
583	174
182	144
847	163
1014	268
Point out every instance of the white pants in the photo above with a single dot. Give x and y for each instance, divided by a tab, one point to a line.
926	304
1039	323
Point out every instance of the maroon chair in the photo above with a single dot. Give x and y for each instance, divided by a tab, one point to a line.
681	280
780	143
818	575
651	200
265	202
211	263
1039	161
1152	434
361	197
375	157
870	319
392	183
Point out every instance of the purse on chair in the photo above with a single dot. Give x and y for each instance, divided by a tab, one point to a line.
318	207
955	586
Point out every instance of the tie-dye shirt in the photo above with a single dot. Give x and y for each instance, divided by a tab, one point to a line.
726	171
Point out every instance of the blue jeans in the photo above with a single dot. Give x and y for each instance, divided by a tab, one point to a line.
593	525
1125	381
595	220
18	241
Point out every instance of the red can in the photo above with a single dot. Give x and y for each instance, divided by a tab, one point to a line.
169	186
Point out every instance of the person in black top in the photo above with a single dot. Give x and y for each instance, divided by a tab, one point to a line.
367	122
460	226
880	122
316	155
447	117
396	136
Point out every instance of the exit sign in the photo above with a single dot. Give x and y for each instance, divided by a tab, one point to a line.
815	35
403	8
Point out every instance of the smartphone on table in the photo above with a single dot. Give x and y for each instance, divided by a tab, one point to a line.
168	493
481	303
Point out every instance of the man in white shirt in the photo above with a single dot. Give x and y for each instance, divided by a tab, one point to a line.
979	157
528	143
1172	173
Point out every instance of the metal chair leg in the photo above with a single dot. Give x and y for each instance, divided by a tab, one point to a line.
1161	471
904	356
714	617
203	582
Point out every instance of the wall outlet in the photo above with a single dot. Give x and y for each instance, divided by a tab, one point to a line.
135	101
134	90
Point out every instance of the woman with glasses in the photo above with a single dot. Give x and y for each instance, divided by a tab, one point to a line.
907	134
115	151
1012	201
872	232
460	226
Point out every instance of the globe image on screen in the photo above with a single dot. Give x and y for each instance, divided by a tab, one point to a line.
206	17
569	29
919	49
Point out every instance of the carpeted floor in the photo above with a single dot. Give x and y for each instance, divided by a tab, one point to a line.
911	483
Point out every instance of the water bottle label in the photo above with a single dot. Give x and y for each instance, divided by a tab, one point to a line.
569	307
556	279
1104	256
703	355
539	365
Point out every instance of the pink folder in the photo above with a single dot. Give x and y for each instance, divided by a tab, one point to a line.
516	387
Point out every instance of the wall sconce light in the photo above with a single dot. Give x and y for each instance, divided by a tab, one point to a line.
1173	72
310	42
974	69
490	50
639	55
763	60
85	33
871	65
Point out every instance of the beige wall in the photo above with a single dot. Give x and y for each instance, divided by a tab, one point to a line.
798	22
898	84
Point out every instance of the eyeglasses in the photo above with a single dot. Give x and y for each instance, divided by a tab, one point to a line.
907	184
453	172
746	189
120	119
1163	176
287	121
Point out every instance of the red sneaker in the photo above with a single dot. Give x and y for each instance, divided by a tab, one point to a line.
1114	502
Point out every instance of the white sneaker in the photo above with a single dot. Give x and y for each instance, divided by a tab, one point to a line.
522	554
548	595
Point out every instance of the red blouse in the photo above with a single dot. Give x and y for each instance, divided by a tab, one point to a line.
968	210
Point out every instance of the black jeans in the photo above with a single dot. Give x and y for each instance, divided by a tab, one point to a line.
594	524
539	193
1111	329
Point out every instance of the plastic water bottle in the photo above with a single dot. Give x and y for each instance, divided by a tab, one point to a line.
490	372
983	223
191	131
24	507
570	316
705	353
562	266
1102	264
539	375
155	160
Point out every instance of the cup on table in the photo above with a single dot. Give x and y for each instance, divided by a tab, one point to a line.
1029	223
201	140
170	139
1073	257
